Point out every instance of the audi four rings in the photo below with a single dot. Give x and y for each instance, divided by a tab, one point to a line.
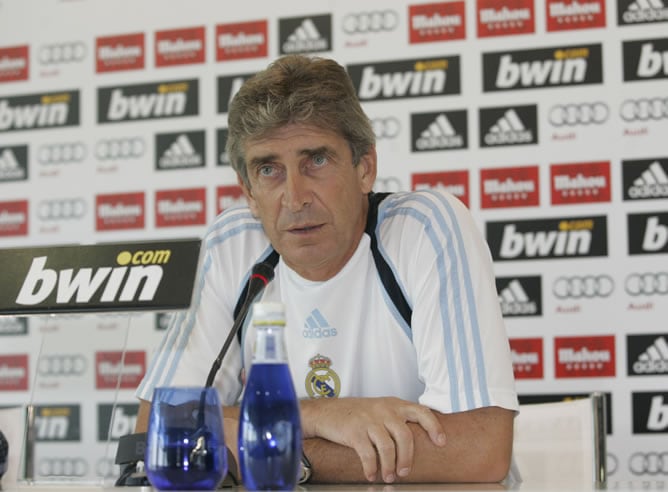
644	109
61	209
62	466
586	286
374	21
62	153
74	51
647	284
62	365
651	463
120	148
578	114
386	127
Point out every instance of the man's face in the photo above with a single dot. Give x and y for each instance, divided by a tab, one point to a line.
311	200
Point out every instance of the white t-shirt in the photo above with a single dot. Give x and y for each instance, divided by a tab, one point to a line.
344	336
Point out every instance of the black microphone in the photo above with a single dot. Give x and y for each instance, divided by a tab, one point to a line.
261	274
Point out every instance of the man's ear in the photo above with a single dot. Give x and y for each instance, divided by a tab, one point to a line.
367	169
249	195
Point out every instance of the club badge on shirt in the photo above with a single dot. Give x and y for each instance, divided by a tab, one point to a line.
322	381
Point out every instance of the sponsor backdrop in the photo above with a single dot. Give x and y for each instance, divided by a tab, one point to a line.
547	118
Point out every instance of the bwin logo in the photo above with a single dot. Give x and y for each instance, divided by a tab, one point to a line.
39	111
121	283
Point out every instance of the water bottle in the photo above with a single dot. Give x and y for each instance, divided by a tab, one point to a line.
270	437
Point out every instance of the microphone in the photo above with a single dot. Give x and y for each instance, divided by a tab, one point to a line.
261	274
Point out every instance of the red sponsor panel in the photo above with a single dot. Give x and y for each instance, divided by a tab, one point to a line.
584	357
177	208
241	40
509	187
14	372
583	182
119	52
441	21
120	211
180	46
455	182
527	357
14	63
229	196
110	366
14	218
564	15
505	17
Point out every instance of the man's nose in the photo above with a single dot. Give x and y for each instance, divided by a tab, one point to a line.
297	192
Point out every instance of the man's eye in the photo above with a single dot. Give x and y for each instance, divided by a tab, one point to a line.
265	171
319	159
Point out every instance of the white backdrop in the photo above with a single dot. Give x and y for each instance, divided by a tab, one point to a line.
547	118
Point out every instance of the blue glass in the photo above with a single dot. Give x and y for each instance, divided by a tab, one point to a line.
185	446
270	437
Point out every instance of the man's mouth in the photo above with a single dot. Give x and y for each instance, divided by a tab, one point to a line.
305	228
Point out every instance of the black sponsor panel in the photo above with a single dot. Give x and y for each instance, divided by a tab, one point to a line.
222	157
647	233
520	296
557	397
227	87
114	421
180	150
508	125
115	276
647	354
441	130
13	163
305	34
155	100
542	239
13	325
650	412
57	423
39	111
419	77
629	13
645	59
558	66
645	179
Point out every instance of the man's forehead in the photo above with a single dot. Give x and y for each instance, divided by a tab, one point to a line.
292	140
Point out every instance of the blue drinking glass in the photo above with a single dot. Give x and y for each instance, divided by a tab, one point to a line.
185	446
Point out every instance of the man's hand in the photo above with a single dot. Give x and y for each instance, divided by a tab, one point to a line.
376	428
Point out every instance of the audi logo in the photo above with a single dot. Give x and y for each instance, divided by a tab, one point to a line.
387	185
62	365
120	148
63	209
611	465
651	463
587	286
647	284
62	153
644	109
62	467
374	21
578	114
62	53
386	127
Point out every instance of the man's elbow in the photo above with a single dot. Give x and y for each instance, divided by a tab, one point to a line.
495	461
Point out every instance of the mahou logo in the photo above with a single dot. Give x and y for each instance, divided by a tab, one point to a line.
185	207
406	78
443	21
119	52
542	239
584	357
576	183
500	18
241	40
119	211
527	357
228	197
14	63
170	99
14	218
520	296
112	366
646	59
453	182
544	67
645	179
14	372
509	187
39	111
180	47
564	15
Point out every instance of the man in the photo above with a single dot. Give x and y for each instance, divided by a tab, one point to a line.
381	401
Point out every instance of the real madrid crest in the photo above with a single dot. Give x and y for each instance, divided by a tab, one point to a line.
322	381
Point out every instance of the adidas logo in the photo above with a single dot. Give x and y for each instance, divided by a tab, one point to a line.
515	301
509	129
654	360
645	11
180	154
652	183
10	167
305	37
439	135
316	326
